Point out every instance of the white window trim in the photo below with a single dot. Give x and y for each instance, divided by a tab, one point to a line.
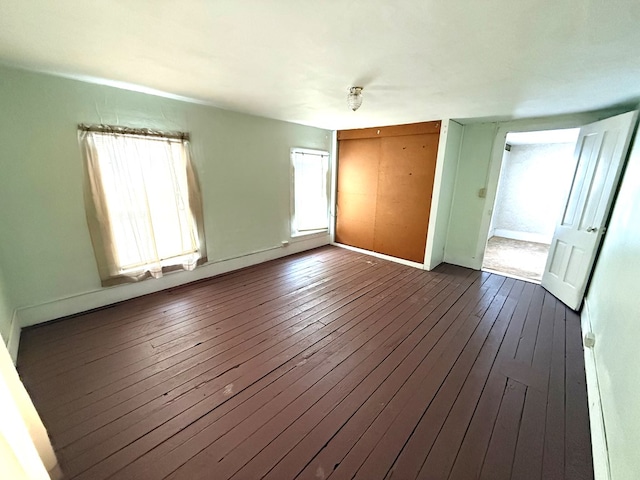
293	233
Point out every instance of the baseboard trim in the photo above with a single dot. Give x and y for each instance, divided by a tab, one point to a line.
465	262
402	261
35	314
508	275
596	418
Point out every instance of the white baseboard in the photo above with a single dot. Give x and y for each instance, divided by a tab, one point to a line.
466	262
596	417
63	307
380	255
524	236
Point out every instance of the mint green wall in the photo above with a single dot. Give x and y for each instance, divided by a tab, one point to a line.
45	250
613	308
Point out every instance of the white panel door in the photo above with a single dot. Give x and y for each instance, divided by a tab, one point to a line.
600	151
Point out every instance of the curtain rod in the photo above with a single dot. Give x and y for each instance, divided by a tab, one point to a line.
145	132
314	154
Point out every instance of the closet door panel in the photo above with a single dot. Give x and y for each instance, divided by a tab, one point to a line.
358	165
405	185
398	235
355	220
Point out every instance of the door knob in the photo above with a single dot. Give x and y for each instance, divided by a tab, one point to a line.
592	229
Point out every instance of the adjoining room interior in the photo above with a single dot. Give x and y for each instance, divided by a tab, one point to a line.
248	239
535	177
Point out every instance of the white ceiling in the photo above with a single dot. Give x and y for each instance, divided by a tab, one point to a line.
295	59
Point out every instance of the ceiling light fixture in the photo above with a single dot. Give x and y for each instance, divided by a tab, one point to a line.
354	99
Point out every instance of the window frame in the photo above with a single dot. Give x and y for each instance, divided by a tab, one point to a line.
100	216
293	231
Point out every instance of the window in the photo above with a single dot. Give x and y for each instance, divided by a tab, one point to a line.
143	203
310	193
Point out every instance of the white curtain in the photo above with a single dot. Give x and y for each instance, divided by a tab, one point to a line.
143	205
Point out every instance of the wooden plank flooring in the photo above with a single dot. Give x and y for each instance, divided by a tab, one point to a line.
327	364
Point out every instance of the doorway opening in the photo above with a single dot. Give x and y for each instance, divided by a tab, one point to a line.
535	178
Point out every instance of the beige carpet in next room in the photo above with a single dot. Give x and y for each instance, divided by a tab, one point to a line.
518	258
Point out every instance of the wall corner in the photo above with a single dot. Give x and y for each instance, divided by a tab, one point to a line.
13	342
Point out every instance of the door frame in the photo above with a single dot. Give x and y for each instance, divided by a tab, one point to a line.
497	149
491	214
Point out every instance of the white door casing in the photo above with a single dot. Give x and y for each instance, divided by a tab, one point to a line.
600	151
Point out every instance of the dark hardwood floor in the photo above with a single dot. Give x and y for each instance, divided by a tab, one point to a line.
327	364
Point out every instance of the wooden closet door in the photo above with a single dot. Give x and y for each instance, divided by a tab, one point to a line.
358	164
385	182
405	184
